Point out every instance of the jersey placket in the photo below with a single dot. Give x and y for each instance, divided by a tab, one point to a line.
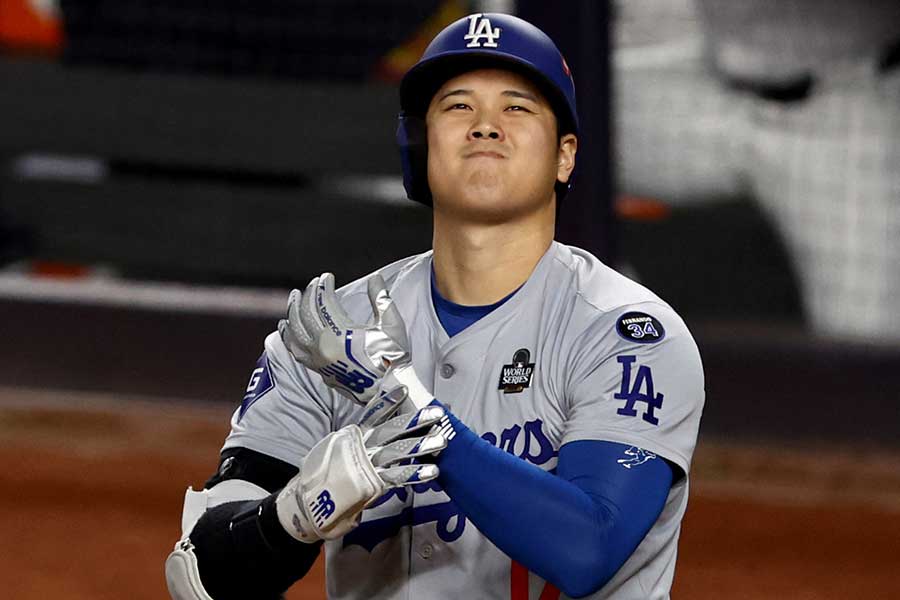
449	373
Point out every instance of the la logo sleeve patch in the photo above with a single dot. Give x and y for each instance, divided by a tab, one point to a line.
637	386
640	327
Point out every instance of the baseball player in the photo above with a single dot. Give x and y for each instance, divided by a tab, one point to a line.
503	416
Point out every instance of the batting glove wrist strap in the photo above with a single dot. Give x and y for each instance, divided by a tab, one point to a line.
326	499
404	375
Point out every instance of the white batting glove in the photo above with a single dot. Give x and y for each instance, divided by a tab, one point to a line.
351	358
356	465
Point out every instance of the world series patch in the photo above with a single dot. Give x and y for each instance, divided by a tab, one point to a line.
517	376
640	327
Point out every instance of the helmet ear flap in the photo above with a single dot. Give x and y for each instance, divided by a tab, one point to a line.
412	139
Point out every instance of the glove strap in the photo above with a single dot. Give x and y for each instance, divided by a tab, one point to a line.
416	392
326	499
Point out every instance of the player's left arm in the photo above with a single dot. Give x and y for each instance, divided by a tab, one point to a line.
576	528
643	398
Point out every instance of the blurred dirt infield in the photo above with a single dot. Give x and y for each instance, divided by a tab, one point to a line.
91	491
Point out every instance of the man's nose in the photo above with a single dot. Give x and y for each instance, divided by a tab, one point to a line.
481	133
485	127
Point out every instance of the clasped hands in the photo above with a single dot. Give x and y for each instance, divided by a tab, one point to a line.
371	365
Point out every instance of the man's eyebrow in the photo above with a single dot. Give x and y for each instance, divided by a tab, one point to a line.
459	92
518	94
508	93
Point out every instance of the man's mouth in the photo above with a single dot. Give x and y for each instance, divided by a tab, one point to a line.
484	154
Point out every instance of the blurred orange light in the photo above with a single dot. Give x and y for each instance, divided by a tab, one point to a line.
59	270
398	61
24	27
635	208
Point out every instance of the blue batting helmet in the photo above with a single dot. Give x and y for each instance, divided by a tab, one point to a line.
479	41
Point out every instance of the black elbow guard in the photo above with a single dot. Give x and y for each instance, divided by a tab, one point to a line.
243	551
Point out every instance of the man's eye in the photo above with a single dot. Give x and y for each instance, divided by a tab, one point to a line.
458	106
516	108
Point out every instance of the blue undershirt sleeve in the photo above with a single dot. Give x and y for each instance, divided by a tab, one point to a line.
581	524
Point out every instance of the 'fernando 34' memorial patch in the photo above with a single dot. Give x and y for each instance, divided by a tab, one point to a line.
640	327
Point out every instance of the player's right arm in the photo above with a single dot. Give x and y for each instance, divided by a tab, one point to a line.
256	527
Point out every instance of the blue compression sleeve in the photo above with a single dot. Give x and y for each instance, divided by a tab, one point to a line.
582	524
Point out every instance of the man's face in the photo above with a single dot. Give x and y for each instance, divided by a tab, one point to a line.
493	150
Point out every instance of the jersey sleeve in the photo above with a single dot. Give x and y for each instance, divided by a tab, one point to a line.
286	408
635	378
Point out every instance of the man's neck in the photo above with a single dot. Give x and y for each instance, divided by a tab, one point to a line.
479	264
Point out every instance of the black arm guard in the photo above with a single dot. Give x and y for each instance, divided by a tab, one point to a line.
266	471
242	550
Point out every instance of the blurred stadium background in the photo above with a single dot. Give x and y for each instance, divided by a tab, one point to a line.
170	169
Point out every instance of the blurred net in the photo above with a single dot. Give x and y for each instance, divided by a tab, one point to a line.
333	39
794	104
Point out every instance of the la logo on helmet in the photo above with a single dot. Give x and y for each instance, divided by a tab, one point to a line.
481	34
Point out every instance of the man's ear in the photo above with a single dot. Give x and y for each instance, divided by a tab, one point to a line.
568	146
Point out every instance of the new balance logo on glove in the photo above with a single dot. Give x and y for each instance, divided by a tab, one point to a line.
322	507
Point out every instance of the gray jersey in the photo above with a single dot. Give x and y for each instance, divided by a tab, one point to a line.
578	353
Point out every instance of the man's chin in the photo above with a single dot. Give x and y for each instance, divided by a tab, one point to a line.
482	205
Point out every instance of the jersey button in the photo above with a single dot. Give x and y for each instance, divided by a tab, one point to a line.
447	371
426	551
